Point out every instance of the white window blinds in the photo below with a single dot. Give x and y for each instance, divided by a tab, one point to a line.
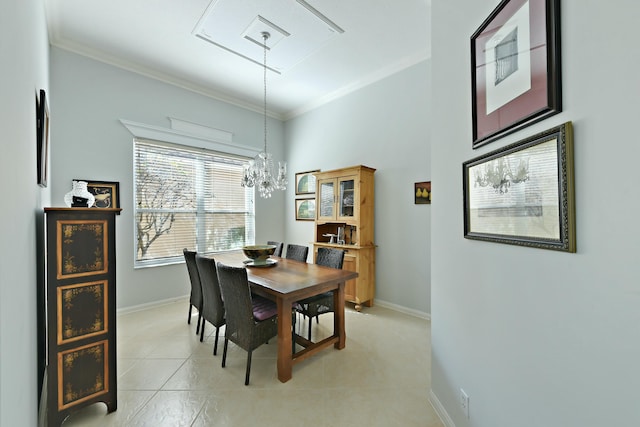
188	198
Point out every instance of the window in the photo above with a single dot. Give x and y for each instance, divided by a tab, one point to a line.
188	198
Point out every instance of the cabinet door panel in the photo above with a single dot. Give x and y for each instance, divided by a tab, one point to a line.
348	198
326	199
350	264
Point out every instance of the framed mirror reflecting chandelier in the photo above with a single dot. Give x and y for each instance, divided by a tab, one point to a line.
260	172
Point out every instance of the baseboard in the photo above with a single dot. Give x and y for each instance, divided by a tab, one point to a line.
402	309
442	413
381	303
145	306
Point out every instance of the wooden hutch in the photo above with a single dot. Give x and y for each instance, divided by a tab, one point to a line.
345	202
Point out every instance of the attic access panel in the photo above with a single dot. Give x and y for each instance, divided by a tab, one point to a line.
297	30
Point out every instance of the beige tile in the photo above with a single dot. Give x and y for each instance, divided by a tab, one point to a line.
129	403
248	407
167	377
170	409
149	374
383	407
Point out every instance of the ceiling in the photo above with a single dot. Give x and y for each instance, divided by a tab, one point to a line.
318	49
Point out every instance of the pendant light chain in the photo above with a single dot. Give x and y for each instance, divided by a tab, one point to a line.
260	171
265	36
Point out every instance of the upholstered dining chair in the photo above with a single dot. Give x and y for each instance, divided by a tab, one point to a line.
319	304
278	245
213	310
251	319
297	252
195	300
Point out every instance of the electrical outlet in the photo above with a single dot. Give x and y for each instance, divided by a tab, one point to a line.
464	403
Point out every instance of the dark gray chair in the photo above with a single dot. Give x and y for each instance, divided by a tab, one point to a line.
251	320
213	310
323	303
278	245
297	252
195	300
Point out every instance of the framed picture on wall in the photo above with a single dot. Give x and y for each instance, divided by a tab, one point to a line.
306	182
306	209
42	137
422	193
515	68
523	194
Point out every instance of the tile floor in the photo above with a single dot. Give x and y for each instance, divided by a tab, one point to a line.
167	377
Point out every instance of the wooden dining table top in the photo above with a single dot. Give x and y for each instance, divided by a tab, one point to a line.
287	278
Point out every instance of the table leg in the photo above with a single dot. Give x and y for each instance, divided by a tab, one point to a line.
285	362
338	318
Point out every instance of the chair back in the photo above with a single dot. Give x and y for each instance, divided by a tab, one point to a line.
330	257
297	252
278	245
213	309
237	299
194	278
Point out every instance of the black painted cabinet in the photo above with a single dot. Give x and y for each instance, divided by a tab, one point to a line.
80	305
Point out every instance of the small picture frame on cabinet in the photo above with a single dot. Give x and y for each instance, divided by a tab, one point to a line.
107	193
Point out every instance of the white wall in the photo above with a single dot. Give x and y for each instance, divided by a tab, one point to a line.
90	98
384	126
535	337
24	52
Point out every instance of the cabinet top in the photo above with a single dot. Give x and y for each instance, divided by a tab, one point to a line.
96	210
347	170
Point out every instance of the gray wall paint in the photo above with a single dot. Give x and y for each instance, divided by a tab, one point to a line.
90	98
24	49
384	126
535	337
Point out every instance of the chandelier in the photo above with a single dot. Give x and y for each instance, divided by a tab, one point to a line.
260	171
499	175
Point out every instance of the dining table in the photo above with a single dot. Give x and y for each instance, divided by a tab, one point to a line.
286	281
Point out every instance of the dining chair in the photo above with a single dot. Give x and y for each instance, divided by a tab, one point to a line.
195	300
213	309
251	319
297	252
278	245
319	304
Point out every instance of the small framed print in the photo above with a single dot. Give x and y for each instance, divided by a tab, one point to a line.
422	193
305	209
107	193
306	182
515	68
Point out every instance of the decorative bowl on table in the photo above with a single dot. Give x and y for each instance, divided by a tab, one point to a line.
259	253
